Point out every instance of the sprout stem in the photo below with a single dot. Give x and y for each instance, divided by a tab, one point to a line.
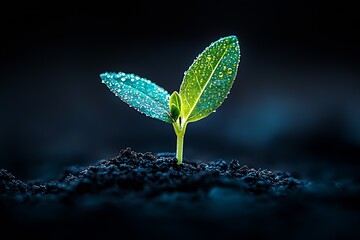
180	133
179	147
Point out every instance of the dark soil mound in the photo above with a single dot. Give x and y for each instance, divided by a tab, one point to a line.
142	195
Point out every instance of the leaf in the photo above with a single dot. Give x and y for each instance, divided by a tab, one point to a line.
209	79
139	93
175	106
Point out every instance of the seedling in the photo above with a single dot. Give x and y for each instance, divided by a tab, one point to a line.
205	86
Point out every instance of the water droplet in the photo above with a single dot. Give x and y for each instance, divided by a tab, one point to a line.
229	71
208	57
221	74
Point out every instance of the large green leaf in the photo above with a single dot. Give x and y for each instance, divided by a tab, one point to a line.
139	93
209	79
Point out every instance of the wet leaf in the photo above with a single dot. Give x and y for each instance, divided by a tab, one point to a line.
209	79
139	93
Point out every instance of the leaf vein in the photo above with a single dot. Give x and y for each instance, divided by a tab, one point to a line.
144	93
197	80
187	102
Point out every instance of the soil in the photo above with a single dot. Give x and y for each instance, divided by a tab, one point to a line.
141	195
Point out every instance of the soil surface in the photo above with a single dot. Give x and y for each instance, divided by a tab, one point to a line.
141	195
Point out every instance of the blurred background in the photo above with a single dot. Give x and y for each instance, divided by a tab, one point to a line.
294	104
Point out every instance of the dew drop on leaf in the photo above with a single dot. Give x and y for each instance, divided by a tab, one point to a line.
139	93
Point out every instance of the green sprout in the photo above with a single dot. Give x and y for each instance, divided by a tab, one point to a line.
205	86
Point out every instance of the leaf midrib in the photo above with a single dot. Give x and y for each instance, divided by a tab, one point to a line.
160	104
203	89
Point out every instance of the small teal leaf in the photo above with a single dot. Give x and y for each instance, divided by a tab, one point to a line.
140	93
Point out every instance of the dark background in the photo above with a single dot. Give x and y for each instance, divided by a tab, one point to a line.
294	104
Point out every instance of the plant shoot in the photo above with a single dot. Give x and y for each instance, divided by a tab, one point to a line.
204	88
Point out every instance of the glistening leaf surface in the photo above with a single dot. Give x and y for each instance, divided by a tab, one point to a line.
209	79
139	93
